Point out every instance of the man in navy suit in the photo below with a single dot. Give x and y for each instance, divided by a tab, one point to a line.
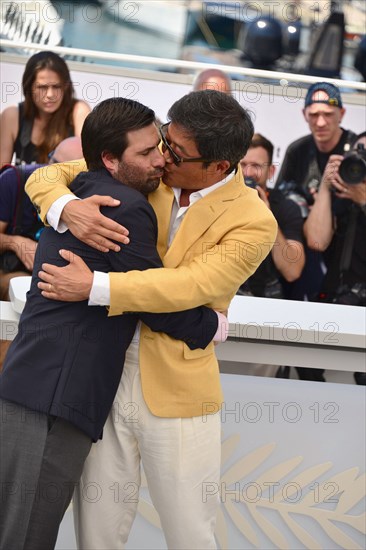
63	369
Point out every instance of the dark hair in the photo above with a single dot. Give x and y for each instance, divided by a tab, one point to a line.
106	127
260	141
357	138
59	124
220	127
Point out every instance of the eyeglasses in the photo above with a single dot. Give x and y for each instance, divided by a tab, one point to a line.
166	145
51	158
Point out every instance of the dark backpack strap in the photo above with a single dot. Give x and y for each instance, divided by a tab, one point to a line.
351	137
25	125
349	240
18	215
314	175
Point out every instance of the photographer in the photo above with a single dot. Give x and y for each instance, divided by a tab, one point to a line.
287	259
336	226
303	167
300	175
306	158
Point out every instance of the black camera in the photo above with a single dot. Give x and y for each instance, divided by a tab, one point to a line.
351	296
353	167
273	289
299	195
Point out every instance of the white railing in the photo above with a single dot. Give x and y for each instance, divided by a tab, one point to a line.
182	64
262	330
275	105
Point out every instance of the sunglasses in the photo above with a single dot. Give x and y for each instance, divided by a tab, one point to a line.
166	146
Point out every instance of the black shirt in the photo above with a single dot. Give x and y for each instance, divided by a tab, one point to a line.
25	151
355	272
266	281
304	164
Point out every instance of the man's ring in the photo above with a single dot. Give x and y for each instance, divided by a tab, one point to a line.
49	287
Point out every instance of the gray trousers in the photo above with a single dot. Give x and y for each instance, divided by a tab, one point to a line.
41	460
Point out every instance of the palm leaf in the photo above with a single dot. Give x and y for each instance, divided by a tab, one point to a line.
358	522
247	464
241	523
228	447
338	536
279	471
307	540
301	480
340	482
274	535
148	512
352	495
221	530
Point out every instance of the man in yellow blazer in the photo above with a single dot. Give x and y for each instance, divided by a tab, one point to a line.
213	234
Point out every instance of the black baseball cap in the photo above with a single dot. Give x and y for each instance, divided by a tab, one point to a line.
334	95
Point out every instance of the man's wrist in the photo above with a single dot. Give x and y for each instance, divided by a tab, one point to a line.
100	294
222	328
57	210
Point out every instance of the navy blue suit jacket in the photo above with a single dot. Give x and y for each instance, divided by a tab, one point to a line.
67	357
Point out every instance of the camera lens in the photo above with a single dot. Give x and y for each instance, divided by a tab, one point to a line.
353	168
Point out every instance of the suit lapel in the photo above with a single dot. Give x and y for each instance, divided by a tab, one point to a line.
200	216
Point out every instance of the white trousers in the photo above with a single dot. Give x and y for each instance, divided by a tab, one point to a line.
180	456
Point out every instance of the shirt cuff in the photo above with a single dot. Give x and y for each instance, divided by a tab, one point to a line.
100	294
222	328
55	211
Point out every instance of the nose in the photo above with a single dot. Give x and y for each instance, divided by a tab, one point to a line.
251	172
50	92
159	160
168	159
321	120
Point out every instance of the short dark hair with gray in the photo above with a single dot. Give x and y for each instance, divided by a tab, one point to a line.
106	128
220	127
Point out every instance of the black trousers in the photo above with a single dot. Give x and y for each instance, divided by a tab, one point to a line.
41	460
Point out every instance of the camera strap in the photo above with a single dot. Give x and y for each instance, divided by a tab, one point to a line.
314	174
349	239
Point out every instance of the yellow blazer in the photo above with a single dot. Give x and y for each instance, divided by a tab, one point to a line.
220	243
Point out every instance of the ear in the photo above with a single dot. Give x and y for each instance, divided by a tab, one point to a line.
271	172
304	114
343	110
222	166
109	161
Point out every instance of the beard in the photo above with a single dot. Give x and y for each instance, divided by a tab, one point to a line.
136	177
